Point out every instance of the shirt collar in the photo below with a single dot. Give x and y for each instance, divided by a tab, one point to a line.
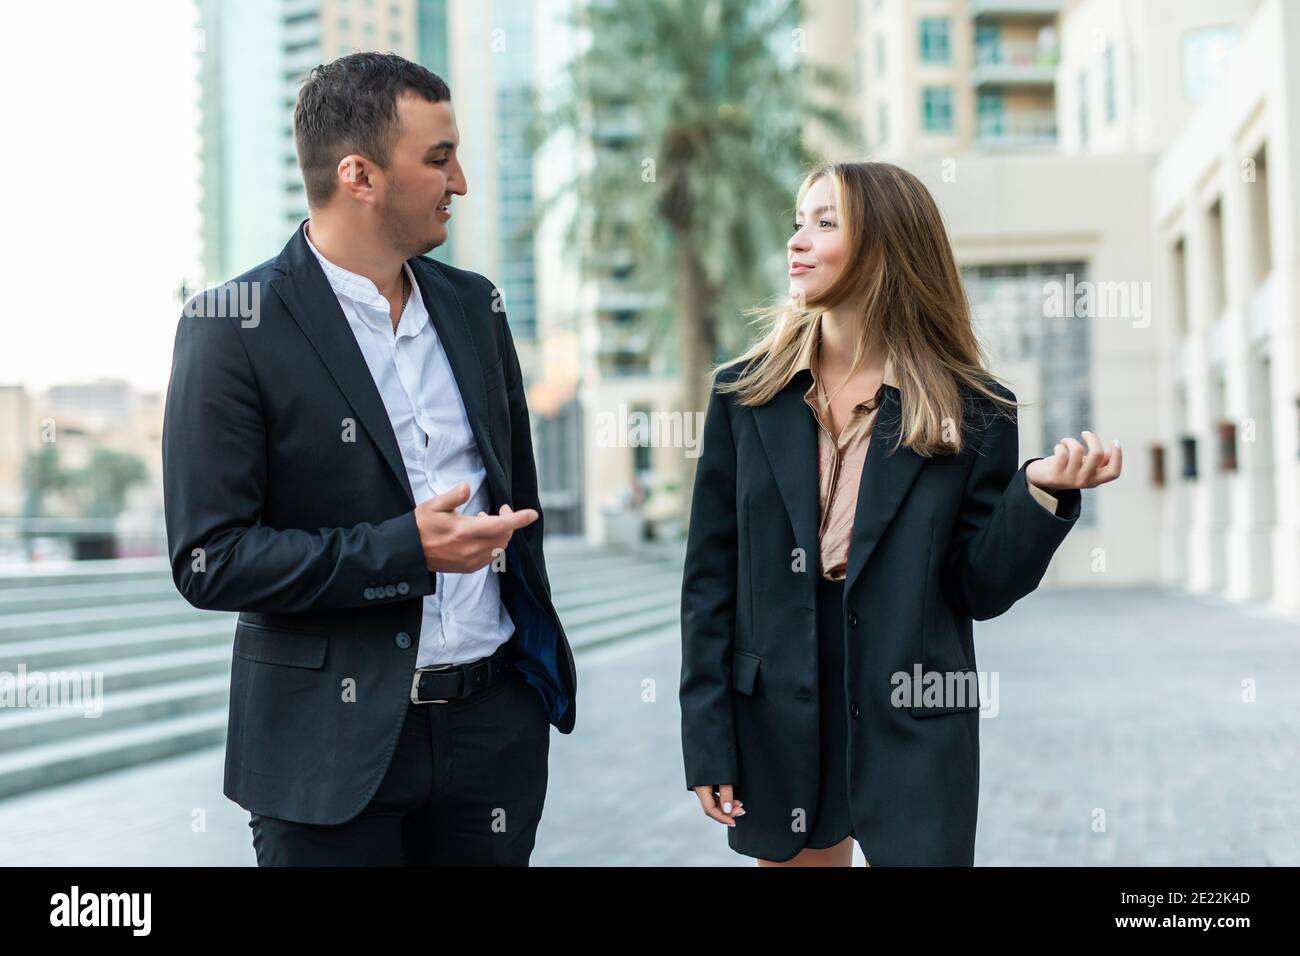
363	291
808	356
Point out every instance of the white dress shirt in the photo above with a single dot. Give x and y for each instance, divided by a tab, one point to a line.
464	619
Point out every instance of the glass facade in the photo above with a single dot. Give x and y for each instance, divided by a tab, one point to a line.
514	78
1011	314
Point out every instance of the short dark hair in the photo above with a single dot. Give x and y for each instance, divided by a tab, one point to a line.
350	106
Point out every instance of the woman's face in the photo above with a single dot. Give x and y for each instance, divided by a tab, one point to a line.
816	248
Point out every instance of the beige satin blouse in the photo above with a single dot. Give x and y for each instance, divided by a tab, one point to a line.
840	460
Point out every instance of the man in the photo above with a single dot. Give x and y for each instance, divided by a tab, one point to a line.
347	459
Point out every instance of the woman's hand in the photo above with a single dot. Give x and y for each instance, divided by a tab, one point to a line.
723	807
1073	466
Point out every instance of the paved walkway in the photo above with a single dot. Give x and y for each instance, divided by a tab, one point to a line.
1122	707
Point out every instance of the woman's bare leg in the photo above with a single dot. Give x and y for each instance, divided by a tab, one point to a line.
839	855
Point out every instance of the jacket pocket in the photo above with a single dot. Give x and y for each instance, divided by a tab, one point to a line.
958	693
265	645
744	671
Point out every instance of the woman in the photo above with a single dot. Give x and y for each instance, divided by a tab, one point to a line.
857	504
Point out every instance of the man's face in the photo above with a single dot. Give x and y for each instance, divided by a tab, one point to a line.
422	176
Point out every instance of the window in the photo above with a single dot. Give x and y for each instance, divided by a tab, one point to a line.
935	47
1206	55
882	122
990	110
880	54
1188	446
988	44
1083	107
1110	82
936	109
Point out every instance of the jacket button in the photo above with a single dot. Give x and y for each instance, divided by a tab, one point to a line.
854	711
390	591
369	593
403	640
403	588
853	619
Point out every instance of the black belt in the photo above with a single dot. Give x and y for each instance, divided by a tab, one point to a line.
448	682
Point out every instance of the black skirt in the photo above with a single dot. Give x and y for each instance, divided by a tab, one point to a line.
831	820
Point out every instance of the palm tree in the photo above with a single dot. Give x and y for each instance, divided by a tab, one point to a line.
694	112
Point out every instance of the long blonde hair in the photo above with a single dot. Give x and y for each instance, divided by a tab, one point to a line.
901	266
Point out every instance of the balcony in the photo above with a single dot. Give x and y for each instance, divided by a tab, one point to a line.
302	32
1012	64
616	126
614	296
1022	130
1037	9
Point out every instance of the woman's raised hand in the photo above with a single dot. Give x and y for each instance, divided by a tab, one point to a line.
1074	466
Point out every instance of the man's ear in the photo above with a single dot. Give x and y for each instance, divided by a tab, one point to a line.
354	171
348	169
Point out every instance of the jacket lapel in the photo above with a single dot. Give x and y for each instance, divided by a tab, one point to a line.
789	436
448	317
307	295
887	474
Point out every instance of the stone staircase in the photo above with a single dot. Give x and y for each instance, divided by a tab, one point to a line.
165	665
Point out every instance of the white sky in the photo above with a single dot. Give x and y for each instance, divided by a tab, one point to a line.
100	224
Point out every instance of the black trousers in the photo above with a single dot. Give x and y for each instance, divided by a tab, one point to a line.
465	787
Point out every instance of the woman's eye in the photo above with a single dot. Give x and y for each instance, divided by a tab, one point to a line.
827	222
795	227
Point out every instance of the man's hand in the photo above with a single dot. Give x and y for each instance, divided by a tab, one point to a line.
460	544
1071	466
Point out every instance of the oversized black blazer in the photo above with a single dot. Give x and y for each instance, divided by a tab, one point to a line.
936	544
282	472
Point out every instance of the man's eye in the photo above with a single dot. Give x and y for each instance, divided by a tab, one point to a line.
439	162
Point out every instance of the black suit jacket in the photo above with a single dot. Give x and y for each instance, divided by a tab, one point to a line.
935	544
287	500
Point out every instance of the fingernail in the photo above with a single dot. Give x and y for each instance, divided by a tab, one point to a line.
1116	442
726	807
741	813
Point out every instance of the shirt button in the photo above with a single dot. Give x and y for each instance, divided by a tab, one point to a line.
369	593
403	588
390	591
853	619
402	640
854	710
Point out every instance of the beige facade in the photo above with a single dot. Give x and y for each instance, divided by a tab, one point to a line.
1167	182
1227	233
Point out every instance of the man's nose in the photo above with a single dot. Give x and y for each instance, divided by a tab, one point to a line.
456	182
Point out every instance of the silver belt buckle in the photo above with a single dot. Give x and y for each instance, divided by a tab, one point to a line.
415	684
